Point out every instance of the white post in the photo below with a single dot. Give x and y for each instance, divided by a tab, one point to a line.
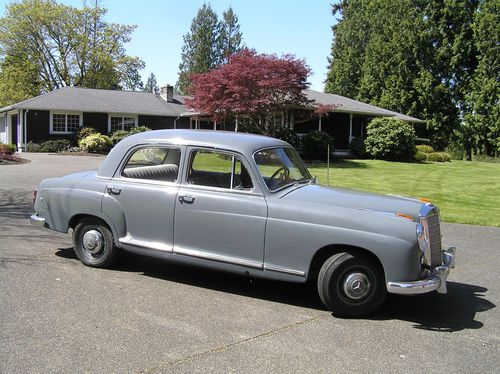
215	125
236	125
196	123
350	128
319	123
292	124
20	132
191	123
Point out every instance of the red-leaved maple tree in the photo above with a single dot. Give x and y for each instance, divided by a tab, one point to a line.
251	86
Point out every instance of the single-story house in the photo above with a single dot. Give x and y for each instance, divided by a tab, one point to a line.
59	113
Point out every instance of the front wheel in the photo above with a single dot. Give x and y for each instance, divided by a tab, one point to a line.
93	242
351	285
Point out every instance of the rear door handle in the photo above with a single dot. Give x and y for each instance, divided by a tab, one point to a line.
186	199
113	190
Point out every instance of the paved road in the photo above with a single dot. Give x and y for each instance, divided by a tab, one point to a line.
144	315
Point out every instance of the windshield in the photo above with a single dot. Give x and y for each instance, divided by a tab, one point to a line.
280	167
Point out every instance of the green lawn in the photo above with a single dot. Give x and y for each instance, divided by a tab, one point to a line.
466	192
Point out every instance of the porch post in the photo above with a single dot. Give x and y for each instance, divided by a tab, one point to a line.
319	123
236	125
350	128
215	125
292	124
190	122
20	128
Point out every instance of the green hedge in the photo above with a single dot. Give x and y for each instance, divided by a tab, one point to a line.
315	145
390	139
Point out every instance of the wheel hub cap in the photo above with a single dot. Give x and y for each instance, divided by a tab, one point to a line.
356	286
93	241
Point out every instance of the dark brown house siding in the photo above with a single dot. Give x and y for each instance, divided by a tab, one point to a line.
98	121
156	122
38	128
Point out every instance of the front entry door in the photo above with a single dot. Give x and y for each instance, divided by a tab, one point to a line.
218	214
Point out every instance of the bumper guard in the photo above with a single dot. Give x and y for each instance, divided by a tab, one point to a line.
435	281
37	221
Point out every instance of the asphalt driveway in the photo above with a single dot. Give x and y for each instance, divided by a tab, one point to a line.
144	315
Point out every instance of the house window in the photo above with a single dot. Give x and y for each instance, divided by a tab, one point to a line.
64	123
121	122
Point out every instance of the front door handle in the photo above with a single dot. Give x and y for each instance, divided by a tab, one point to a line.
186	199
113	190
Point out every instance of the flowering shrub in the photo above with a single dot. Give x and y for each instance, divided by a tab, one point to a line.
96	143
7	149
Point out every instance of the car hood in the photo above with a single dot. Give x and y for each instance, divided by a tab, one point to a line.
341	197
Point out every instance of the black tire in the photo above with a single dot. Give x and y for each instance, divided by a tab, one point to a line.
351	285
104	253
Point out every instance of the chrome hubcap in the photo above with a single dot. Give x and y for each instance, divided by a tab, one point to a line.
356	286
93	241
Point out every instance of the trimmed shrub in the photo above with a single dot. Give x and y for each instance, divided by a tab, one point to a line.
118	136
422	141
424	148
357	146
390	139
7	149
96	143
54	146
438	157
315	145
420	157
33	147
82	133
288	136
138	129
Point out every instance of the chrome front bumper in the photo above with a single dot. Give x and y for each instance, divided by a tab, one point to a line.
435	281
37	221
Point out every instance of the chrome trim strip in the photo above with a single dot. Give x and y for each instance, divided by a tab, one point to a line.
436	281
219	258
127	240
284	270
37	221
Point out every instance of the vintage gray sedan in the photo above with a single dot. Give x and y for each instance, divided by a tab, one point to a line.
247	204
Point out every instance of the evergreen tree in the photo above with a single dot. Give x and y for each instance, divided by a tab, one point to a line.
200	51
483	121
230	35
151	84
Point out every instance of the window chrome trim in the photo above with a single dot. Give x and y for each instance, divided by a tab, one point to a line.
234	154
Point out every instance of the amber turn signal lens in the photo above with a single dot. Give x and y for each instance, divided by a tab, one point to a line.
405	216
423	199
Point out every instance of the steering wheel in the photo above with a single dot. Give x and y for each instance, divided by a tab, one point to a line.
285	175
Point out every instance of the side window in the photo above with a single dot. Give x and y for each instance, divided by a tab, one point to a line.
153	163
215	169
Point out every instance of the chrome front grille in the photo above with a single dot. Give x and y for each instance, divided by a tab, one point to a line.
436	255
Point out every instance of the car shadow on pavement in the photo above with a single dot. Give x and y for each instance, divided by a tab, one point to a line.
297	294
454	311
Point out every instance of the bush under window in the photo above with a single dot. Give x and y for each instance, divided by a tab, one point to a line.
96	143
54	146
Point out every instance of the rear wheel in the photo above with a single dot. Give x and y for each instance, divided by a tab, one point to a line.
351	285
93	243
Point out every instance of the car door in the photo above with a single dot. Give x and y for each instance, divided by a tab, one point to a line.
144	192
219	214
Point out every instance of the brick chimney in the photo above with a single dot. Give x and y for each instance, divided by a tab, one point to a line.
167	93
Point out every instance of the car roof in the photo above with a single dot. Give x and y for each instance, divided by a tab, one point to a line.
243	143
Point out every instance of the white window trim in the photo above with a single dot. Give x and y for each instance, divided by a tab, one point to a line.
122	115
51	114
